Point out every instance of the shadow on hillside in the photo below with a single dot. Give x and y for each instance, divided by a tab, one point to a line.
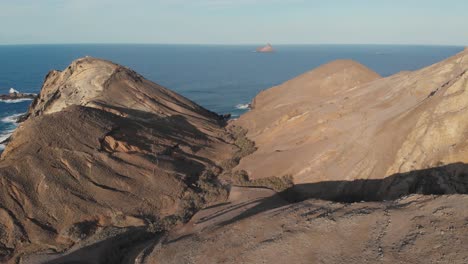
122	248
177	125
448	179
168	136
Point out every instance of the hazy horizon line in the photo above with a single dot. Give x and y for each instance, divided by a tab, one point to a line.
236	44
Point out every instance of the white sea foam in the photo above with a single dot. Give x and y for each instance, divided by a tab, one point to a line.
12	90
234	116
243	106
5	135
14	101
12	118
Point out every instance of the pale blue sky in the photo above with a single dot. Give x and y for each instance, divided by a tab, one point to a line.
235	21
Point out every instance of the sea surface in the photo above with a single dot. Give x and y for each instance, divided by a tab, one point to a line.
223	79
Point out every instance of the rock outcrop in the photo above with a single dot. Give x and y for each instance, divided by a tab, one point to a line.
15	95
265	49
342	123
101	149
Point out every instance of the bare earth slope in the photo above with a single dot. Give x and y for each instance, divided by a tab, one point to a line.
415	229
103	147
340	122
379	166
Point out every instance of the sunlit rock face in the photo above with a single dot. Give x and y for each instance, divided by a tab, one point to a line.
379	166
103	147
342	122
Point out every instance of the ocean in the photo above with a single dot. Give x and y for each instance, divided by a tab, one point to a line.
221	78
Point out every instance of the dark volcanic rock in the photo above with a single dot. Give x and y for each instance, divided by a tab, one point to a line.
14	95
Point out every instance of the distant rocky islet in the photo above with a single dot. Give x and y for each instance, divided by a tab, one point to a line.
265	49
16	95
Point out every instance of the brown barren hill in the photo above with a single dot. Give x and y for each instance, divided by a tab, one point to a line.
111	168
288	120
104	150
340	122
379	166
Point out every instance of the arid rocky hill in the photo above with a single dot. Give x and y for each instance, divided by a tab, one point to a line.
379	167
103	148
341	122
111	168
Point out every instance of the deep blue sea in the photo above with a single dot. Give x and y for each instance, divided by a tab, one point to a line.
220	78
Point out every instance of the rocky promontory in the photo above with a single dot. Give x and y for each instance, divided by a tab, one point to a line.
15	95
336	165
102	151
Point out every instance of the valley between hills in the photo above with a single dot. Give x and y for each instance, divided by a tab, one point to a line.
338	165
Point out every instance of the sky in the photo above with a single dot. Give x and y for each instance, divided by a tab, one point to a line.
427	22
